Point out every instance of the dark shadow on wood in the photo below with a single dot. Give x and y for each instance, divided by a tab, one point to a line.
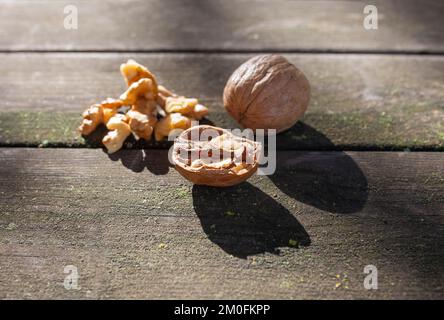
94	140
141	159
244	221
138	157
331	183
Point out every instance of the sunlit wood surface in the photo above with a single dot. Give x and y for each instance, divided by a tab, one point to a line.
359	180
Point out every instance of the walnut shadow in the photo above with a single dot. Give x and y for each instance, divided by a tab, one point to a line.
243	220
137	160
332	181
94	140
138	155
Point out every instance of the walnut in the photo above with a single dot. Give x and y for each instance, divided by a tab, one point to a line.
133	72
145	106
144	88
267	92
153	108
109	108
199	111
189	107
171	122
111	103
120	130
92	117
141	125
98	114
180	104
162	94
108	113
213	156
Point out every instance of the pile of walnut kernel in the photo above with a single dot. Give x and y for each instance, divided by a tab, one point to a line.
153	109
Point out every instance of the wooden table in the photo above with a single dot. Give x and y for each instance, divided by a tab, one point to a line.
359	181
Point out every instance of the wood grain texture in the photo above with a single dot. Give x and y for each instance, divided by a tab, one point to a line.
136	229
358	101
155	25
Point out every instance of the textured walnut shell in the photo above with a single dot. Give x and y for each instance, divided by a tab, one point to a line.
267	92
212	175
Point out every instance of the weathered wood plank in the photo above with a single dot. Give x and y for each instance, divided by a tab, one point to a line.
358	101
220	25
135	229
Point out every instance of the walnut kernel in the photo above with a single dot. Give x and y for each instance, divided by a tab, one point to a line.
171	122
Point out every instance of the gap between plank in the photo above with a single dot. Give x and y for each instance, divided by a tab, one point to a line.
381	148
237	51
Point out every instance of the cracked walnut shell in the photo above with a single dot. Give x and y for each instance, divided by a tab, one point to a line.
267	92
212	156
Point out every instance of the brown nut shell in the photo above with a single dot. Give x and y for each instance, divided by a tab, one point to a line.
230	170
267	92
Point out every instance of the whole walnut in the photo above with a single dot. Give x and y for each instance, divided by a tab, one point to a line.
267	92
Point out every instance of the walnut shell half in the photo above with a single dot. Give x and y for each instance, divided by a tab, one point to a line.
212	156
267	92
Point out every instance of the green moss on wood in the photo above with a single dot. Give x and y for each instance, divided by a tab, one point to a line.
370	130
